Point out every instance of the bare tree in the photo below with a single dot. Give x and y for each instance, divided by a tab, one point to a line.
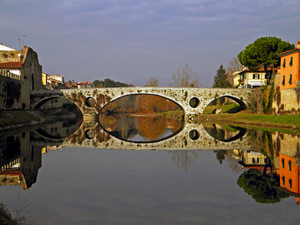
153	82
183	77
234	65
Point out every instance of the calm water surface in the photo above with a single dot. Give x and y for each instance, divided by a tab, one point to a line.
52	185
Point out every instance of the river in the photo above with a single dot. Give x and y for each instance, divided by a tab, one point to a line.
53	175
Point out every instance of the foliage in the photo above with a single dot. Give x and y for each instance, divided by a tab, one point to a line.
221	80
262	188
152	82
267	98
263	52
183	77
234	65
221	155
7	218
109	83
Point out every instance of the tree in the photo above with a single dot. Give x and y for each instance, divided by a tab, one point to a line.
153	82
221	79
263	52
183	78
109	83
234	65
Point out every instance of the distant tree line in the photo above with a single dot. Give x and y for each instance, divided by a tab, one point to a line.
110	83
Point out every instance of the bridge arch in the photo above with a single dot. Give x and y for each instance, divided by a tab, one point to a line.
150	94
41	102
239	100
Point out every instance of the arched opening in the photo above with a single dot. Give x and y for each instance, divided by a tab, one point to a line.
194	135
224	104
142	118
194	102
89	134
90	102
58	106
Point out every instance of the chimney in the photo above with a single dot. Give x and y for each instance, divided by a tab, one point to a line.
298	44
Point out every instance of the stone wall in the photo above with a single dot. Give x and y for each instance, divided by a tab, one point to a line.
286	101
10	93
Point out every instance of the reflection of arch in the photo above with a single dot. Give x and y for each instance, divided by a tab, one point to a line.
43	101
242	132
237	99
46	135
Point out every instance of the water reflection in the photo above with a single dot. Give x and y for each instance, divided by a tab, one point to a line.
225	133
140	128
21	150
269	167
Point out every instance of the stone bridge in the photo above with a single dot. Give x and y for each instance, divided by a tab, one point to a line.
191	137
192	100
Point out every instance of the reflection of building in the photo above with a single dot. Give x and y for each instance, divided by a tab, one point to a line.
251	159
287	162
20	161
289	173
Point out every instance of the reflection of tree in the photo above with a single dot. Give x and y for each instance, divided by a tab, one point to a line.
7	218
151	127
184	159
221	155
263	188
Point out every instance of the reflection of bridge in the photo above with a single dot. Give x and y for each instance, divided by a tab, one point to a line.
192	100
192	137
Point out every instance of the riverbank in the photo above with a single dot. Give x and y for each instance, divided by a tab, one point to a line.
277	122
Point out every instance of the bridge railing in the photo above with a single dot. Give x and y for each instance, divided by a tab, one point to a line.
7	73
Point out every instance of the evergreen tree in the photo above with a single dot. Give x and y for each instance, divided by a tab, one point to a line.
221	80
263	52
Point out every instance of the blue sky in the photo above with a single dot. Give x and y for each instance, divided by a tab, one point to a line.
133	40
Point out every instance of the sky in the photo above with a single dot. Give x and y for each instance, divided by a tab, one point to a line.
133	40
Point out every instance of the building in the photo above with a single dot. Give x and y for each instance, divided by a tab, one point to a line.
248	78
85	84
20	74
289	69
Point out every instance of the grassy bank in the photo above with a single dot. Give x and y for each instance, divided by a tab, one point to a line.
12	119
260	121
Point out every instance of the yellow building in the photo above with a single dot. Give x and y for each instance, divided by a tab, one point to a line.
249	79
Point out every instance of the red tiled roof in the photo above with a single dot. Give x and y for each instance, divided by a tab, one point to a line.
85	82
11	65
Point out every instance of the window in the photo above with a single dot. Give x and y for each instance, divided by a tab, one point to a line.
282	162
283	80
291	61
255	76
266	76
283	65
283	180
290	165
290	80
290	183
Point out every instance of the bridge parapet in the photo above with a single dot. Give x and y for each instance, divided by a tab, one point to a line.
192	100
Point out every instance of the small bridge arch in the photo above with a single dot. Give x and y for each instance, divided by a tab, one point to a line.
237	99
41	102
